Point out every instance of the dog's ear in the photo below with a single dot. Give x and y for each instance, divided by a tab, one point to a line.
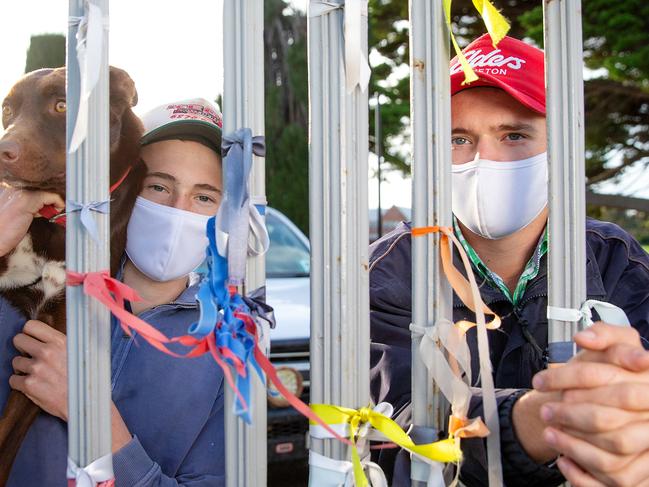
122	87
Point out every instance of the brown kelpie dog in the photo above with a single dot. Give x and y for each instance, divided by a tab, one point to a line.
33	156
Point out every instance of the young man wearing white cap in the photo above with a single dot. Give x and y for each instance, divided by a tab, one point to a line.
594	414
167	413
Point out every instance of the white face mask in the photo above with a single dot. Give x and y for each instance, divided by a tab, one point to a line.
495	199
165	243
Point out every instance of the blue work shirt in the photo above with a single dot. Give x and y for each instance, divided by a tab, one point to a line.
172	407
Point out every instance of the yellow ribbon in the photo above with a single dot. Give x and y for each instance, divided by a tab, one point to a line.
496	25
441	451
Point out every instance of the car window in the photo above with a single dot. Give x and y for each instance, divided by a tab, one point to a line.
287	255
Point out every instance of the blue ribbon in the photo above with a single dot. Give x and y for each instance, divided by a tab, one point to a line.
217	315
233	215
86	218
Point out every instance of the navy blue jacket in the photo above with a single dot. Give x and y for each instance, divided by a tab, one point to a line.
617	272
172	407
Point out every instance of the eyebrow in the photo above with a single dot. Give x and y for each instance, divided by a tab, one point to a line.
503	127
169	177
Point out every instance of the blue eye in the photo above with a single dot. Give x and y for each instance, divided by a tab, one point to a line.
459	141
157	187
515	136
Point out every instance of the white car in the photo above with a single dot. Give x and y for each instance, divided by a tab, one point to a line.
287	291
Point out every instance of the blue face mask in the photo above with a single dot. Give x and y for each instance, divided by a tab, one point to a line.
163	242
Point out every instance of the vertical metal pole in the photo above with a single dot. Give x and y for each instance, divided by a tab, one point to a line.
243	106
565	119
338	153
431	201
378	147
88	322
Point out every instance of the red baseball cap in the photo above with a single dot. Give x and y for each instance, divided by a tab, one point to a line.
513	66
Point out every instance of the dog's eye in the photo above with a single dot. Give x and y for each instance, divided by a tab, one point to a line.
6	111
60	106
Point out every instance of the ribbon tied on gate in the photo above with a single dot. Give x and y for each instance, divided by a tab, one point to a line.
496	25
561	352
357	69
113	294
90	41
353	421
327	472
98	474
238	215
469	293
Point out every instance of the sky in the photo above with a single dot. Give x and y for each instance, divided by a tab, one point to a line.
175	56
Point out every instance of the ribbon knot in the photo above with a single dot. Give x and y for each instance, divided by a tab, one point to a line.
98	473
237	215
86	218
113	294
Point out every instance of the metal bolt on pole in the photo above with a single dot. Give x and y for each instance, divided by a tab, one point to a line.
243	106
339	227
431	201
565	119
88	321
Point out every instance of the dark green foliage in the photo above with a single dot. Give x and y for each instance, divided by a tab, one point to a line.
287	153
45	51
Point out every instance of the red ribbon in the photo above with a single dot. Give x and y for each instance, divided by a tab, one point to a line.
112	294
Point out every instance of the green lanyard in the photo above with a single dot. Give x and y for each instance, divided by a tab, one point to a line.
531	268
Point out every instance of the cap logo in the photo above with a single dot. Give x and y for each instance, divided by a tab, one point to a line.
193	111
490	63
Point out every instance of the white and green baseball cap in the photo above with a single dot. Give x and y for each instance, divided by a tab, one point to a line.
195	119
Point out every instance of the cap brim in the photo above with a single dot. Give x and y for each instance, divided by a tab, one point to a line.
488	80
179	128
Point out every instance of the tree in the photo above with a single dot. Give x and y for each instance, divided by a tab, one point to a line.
617	101
45	51
287	153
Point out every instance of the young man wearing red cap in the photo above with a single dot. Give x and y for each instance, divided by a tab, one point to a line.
167	413
595	410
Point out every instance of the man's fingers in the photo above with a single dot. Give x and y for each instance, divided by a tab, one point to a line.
588	456
27	344
43	332
629	396
590	417
39	199
630	357
578	375
631	439
577	476
602	335
23	365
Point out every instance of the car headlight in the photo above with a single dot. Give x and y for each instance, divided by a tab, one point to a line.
291	379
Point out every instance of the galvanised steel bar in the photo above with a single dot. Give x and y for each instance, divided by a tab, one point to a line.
338	170
430	109
243	106
88	321
565	121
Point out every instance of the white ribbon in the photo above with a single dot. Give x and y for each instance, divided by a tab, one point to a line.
357	69
90	40
101	470
456	391
608	313
428	471
327	472
258	239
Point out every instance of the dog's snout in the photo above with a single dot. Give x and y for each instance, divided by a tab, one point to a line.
9	151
